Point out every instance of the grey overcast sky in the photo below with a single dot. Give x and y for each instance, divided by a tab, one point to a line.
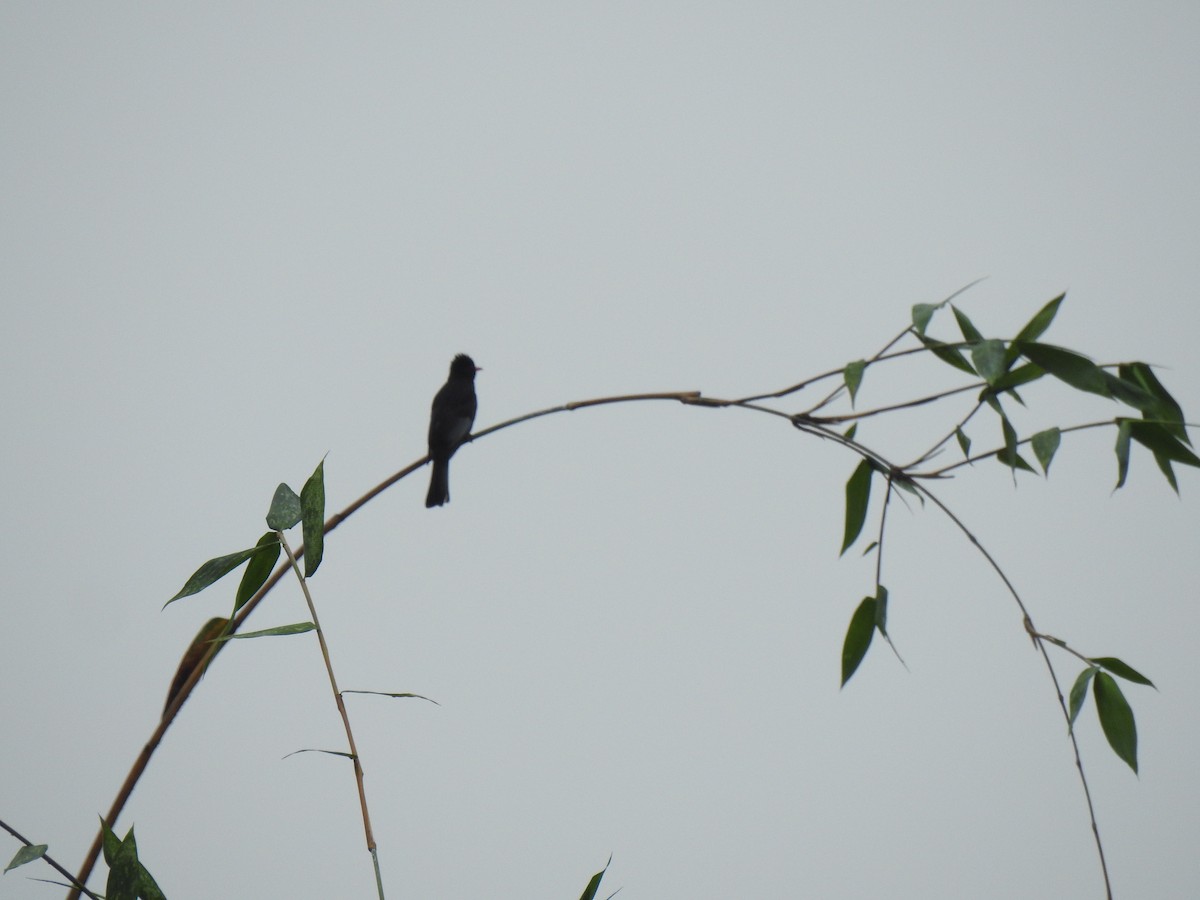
237	237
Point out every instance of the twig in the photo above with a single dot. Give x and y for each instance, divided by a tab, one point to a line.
341	707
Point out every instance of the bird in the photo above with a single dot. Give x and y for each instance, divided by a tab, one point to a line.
450	421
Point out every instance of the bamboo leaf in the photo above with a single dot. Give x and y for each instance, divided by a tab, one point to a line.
297	628
858	637
1073	368
212	571
853	374
988	357
1118	668
285	509
27	855
312	503
921	314
1116	718
970	333
1079	691
1122	448
948	354
964	442
589	892
258	570
1045	445
1036	326
858	496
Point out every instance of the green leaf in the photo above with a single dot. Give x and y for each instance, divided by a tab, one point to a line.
27	855
881	605
1158	438
1169	473
921	314
1116	718
1045	445
964	442
297	628
1067	365
312	502
1036	326
858	637
858	495
1165	408
969	332
147	888
1079	691
871	546
1130	393
1009	453
285	509
1123	436
1118	668
853	373
851	431
948	354
122	869
1018	463
211	571
258	569
1014	378
589	892
988	357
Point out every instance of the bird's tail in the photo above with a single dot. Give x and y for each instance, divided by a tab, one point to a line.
439	484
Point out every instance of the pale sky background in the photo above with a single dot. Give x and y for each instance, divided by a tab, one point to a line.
236	237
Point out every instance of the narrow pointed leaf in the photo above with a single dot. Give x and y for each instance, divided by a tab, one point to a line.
1015	378
395	695
1079	691
1159	439
589	892
921	314
1164	465
1036	326
1009	453
851	431
1118	668
1122	448
969	332
1130	393
1017	464
1165	408
319	750
147	887
1073	368
297	628
988	357
258	570
858	495
285	509
312	502
123	870
1045	445
27	855
948	354
198	653
212	571
881	608
964	442
853	374
1116	718
858	638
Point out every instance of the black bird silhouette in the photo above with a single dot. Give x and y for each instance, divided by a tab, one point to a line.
450	422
